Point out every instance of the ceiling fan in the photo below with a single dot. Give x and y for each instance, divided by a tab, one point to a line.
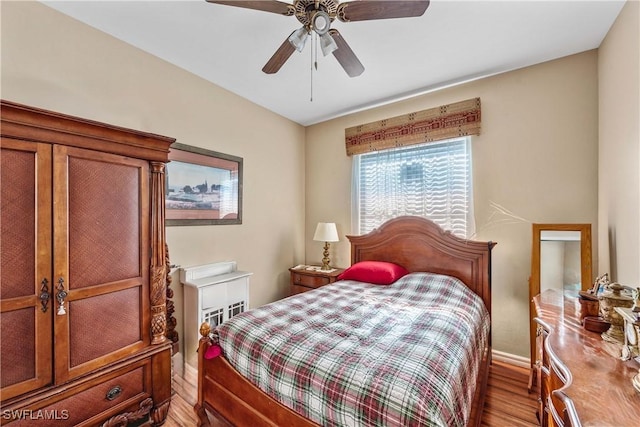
317	16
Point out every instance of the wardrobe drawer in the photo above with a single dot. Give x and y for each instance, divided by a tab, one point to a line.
94	401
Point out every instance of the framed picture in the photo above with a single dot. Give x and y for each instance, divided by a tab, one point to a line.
203	187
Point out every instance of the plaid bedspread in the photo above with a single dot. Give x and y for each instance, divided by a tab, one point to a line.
355	354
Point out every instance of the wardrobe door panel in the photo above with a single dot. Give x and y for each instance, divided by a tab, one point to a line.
108	317
18	186
101	210
104	222
25	266
18	346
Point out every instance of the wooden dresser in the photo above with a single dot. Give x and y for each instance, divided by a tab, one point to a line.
83	272
579	380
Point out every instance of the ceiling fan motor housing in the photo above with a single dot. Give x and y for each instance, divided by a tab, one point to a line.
305	11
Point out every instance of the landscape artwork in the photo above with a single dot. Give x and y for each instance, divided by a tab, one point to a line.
202	187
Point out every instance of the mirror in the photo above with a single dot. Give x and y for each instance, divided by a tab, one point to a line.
560	266
561	260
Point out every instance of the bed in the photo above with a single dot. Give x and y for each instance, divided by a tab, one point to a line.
425	251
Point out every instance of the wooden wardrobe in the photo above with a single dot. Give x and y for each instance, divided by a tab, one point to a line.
82	272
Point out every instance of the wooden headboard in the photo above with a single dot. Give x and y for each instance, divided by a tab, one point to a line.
419	244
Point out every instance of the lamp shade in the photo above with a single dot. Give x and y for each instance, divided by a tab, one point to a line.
327	44
298	38
326	232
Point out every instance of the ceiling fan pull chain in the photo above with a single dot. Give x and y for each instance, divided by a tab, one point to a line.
311	50
315	54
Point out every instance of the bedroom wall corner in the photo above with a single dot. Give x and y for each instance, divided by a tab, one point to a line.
619	148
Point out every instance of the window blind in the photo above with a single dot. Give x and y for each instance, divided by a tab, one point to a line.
432	180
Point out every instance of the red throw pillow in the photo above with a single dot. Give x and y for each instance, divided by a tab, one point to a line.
212	352
376	272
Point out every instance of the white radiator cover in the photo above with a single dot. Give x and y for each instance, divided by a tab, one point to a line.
213	293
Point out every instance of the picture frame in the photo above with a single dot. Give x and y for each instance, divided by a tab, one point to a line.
203	187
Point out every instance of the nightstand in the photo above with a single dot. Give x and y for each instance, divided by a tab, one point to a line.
303	279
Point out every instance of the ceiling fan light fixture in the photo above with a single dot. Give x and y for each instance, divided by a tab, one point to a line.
327	44
298	38
321	22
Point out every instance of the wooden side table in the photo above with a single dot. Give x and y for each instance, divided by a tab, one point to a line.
303	279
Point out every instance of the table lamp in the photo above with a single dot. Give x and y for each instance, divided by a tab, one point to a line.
326	232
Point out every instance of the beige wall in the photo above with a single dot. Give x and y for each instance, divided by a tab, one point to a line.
536	157
52	61
619	149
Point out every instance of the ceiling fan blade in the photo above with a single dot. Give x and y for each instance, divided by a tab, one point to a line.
363	10
280	57
345	55
272	6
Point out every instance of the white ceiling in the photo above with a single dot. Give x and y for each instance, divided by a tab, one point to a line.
454	41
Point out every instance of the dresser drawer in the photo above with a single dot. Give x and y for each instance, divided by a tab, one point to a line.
308	278
93	401
309	281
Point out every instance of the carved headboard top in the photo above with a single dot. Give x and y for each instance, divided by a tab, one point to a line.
419	244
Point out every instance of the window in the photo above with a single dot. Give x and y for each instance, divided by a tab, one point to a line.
432	180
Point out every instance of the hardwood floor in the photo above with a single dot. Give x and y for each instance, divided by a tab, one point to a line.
507	403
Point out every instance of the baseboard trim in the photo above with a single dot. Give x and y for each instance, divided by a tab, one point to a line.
190	374
512	359
177	361
185	379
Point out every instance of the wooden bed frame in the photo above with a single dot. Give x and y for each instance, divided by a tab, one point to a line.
413	242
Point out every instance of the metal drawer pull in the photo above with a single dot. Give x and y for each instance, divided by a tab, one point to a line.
113	393
44	294
60	296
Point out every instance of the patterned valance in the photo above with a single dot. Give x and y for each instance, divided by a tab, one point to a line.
435	124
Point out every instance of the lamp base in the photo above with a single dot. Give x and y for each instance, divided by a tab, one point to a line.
325	259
